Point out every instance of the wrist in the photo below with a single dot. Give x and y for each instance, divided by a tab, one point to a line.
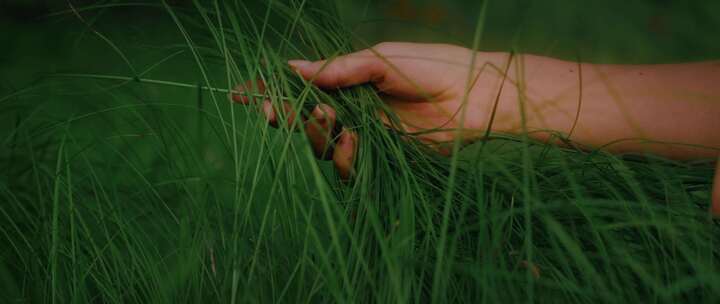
494	94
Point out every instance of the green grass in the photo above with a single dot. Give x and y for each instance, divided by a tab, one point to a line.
160	190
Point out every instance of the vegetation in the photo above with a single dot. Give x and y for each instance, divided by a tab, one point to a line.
141	183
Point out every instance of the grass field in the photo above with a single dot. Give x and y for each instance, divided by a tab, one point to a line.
126	175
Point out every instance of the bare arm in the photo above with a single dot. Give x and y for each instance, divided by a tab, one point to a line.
672	110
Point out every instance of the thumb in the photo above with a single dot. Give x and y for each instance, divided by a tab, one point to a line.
343	71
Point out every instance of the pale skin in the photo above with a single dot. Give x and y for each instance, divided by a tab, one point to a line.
670	110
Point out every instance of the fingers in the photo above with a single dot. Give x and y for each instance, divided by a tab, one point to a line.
269	112
251	92
243	93
318	129
344	154
274	116
347	70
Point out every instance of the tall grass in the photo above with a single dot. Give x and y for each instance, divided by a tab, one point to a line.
123	187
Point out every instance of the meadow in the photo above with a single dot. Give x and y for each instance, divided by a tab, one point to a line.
127	175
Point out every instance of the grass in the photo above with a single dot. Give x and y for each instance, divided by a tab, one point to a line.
136	181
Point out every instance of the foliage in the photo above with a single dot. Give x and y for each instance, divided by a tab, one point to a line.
124	184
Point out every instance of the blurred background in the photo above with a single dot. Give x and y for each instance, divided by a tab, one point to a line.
42	36
613	30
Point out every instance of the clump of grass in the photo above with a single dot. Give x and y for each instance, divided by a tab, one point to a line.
148	195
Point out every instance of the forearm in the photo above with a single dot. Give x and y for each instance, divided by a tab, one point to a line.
671	110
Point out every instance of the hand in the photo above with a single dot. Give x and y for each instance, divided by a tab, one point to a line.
426	86
423	84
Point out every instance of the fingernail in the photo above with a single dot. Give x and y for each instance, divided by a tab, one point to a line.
298	64
268	110
347	137
352	138
322	112
342	138
325	109
319	115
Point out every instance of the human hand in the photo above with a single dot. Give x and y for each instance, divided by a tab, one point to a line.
424	85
